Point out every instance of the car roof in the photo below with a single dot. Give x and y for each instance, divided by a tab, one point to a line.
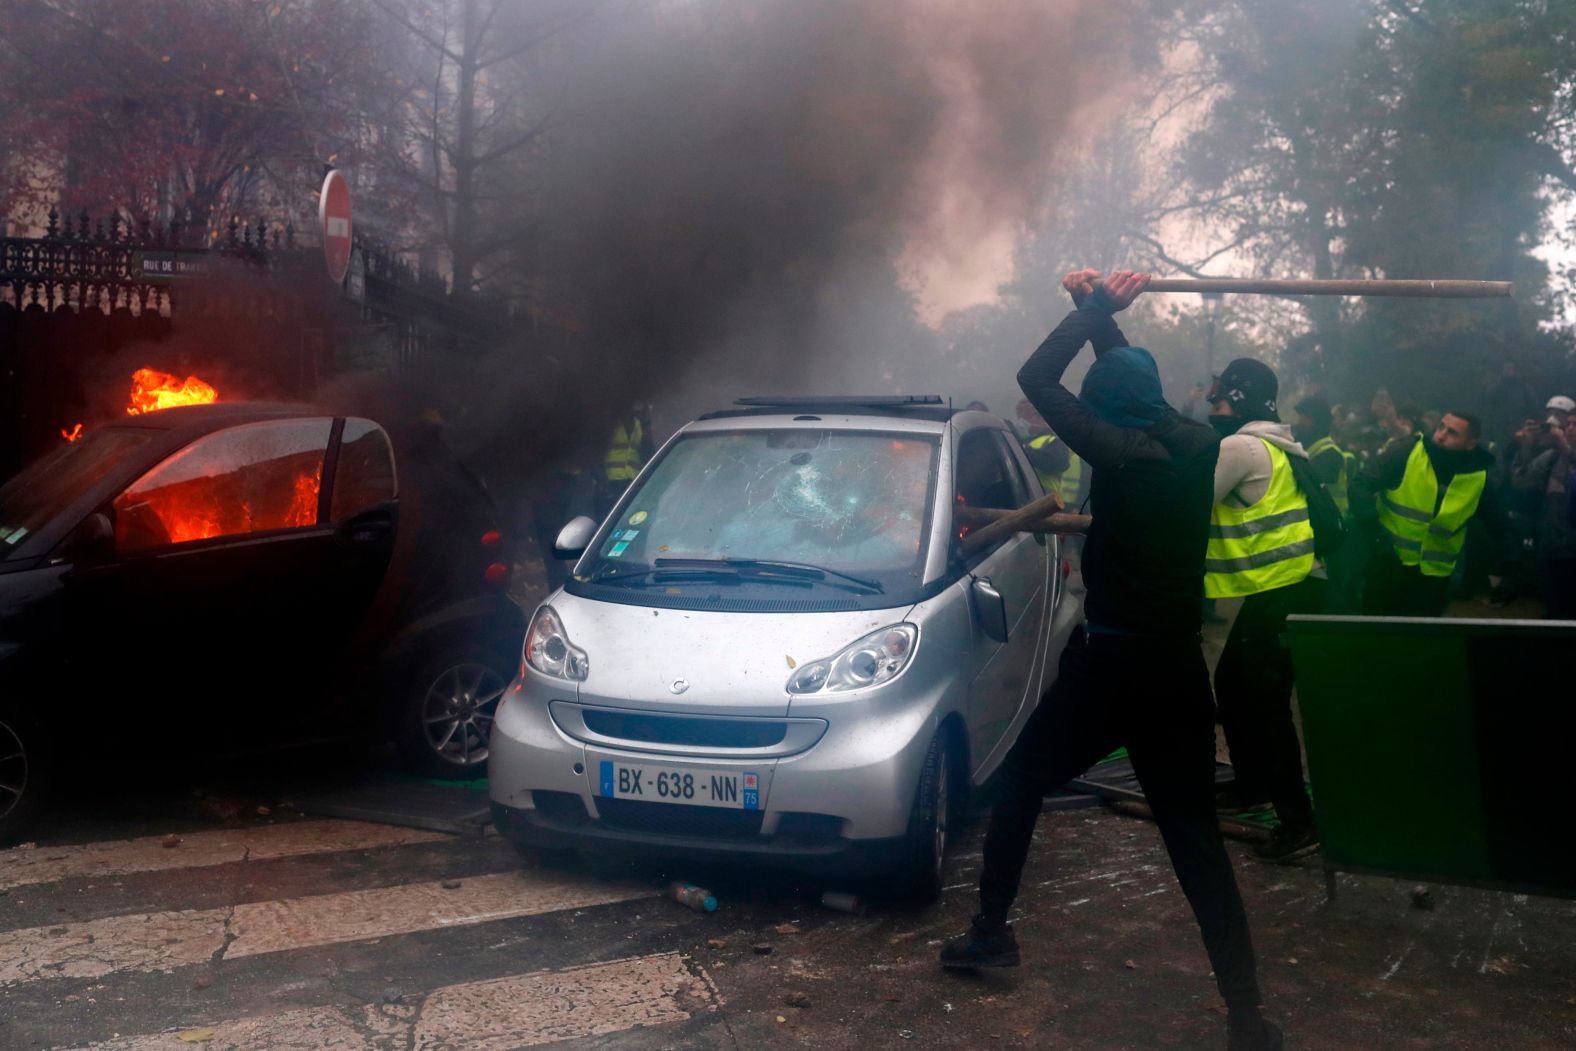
900	406
217	414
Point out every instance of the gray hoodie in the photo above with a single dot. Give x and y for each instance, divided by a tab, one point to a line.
1242	474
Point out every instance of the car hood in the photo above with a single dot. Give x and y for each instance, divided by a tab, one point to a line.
695	661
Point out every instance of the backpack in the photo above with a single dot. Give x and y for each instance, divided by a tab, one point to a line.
1329	528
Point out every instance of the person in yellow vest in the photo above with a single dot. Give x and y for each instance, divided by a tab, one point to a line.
1414	501
1261	549
1335	467
629	447
1061	471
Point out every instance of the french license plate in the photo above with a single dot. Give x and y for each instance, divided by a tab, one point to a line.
736	790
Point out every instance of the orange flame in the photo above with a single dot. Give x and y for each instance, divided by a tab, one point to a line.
73	434
152	390
279	494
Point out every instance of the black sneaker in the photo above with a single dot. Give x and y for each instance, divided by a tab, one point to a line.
980	948
1251	1031
1286	844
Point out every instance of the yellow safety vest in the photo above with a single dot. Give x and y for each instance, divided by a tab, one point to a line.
622	461
1266	546
1423	537
1337	488
1066	484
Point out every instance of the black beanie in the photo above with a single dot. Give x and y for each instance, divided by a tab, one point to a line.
1250	386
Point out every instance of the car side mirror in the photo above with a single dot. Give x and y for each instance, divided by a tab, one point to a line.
575	537
92	541
990	609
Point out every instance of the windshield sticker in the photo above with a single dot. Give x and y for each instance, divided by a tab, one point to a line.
17	534
618	549
638	517
631	534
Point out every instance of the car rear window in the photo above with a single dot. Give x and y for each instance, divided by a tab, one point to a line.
364	474
247	479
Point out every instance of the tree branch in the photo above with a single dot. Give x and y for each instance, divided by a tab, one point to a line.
421	34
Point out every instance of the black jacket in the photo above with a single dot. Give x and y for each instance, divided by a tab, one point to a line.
1151	493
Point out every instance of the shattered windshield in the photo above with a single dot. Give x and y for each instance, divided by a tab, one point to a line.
842	501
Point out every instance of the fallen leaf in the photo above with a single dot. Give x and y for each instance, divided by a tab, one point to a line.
787	928
791	662
1130	965
780	1018
171	840
197	1036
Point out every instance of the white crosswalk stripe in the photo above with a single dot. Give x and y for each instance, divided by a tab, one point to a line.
492	1013
21	866
162	941
495	1015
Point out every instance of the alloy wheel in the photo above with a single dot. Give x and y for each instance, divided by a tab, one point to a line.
457	713
13	769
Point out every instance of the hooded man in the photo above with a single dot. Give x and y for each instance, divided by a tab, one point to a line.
1261	549
1134	675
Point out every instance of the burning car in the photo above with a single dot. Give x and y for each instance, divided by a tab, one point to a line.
226	573
775	646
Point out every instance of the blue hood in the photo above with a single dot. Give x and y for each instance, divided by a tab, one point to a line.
1123	388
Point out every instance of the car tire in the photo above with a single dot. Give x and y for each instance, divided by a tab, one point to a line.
445	715
26	770
918	882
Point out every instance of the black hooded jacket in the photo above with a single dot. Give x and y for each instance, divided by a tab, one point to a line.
1151	493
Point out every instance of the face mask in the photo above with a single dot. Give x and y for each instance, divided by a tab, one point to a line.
1226	426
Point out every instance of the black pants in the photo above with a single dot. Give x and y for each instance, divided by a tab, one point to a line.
1253	684
1151	695
1394	590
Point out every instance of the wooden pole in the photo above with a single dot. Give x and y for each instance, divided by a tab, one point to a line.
1044	515
1326	287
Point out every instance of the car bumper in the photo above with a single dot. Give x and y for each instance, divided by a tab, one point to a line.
538	828
841	804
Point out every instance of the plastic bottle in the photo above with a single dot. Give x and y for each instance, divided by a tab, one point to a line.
690	896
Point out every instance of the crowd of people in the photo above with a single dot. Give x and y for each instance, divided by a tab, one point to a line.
1519	541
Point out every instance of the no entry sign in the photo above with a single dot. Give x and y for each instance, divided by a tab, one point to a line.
333	214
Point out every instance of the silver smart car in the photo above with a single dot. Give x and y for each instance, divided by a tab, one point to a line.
775	646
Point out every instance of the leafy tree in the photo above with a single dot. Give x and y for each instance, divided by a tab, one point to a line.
191	110
1396	139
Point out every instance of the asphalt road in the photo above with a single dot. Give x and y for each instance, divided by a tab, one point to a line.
275	931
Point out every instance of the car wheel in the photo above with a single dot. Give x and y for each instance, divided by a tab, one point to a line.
24	771
447	716
929	825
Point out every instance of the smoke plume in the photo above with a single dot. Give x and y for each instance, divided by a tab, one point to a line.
777	195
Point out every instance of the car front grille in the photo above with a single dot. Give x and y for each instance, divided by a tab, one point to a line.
685	730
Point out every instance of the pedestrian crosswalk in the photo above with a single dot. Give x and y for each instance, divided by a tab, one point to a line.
131	980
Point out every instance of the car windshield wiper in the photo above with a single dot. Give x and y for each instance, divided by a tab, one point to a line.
735	570
660	573
770	568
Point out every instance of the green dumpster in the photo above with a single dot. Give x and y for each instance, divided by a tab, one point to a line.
1442	749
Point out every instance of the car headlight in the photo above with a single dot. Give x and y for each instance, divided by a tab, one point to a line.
549	651
871	661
